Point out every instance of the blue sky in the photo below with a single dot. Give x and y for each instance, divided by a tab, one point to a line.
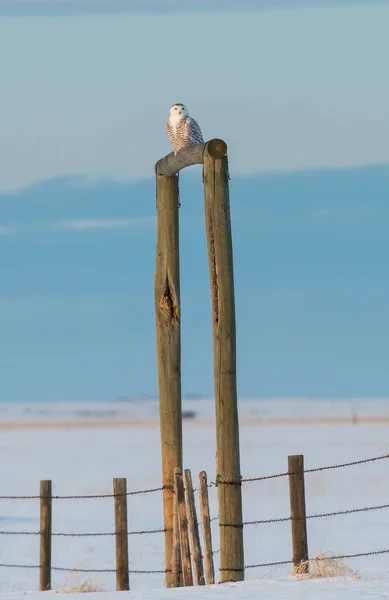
288	88
77	266
300	95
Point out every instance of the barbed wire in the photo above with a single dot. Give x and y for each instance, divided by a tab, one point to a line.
219	480
164	571
89	534
84	496
286	473
76	570
93	534
347	464
319	558
318	515
146	532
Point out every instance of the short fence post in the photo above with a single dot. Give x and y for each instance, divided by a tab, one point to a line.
45	536
121	531
206	529
198	568
176	579
298	512
184	536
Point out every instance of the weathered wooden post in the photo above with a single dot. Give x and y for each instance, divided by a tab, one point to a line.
121	533
186	562
298	512
45	536
197	558
220	258
176	558
167	308
206	529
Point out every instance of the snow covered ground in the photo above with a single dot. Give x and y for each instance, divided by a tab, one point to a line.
252	590
84	460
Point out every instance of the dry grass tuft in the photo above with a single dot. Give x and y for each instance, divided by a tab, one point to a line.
323	566
85	587
80	587
74	584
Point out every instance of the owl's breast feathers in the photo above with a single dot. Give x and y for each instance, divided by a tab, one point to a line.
185	133
170	132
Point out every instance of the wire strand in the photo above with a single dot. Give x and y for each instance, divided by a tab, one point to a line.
318	515
338	557
76	570
317	469
84	496
88	534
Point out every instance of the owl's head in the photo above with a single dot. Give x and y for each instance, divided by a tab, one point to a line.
178	111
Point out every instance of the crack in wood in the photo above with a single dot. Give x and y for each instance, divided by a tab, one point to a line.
168	303
214	278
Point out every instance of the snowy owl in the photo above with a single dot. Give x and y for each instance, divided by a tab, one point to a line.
182	130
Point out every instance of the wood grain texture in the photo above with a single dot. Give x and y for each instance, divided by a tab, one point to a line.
172	163
298	512
220	258
197	558
121	531
168	333
186	563
45	535
206	529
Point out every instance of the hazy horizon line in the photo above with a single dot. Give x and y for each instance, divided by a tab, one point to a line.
86	180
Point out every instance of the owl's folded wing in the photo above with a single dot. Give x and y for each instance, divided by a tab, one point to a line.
194	132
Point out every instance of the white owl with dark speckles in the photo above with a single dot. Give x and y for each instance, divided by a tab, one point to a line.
183	131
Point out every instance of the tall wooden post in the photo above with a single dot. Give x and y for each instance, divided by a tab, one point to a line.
219	240
167	308
45	536
298	512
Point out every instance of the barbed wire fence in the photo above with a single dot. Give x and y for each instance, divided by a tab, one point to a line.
45	566
304	517
213	484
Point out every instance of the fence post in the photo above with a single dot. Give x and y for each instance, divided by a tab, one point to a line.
184	535
167	308
220	258
121	531
198	568
298	512
176	556
45	535
206	529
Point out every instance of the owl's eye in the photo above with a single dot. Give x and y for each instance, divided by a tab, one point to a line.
175	108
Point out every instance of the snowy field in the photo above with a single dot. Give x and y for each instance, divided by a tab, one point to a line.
124	442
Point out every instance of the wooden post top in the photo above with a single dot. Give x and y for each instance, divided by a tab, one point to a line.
171	164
